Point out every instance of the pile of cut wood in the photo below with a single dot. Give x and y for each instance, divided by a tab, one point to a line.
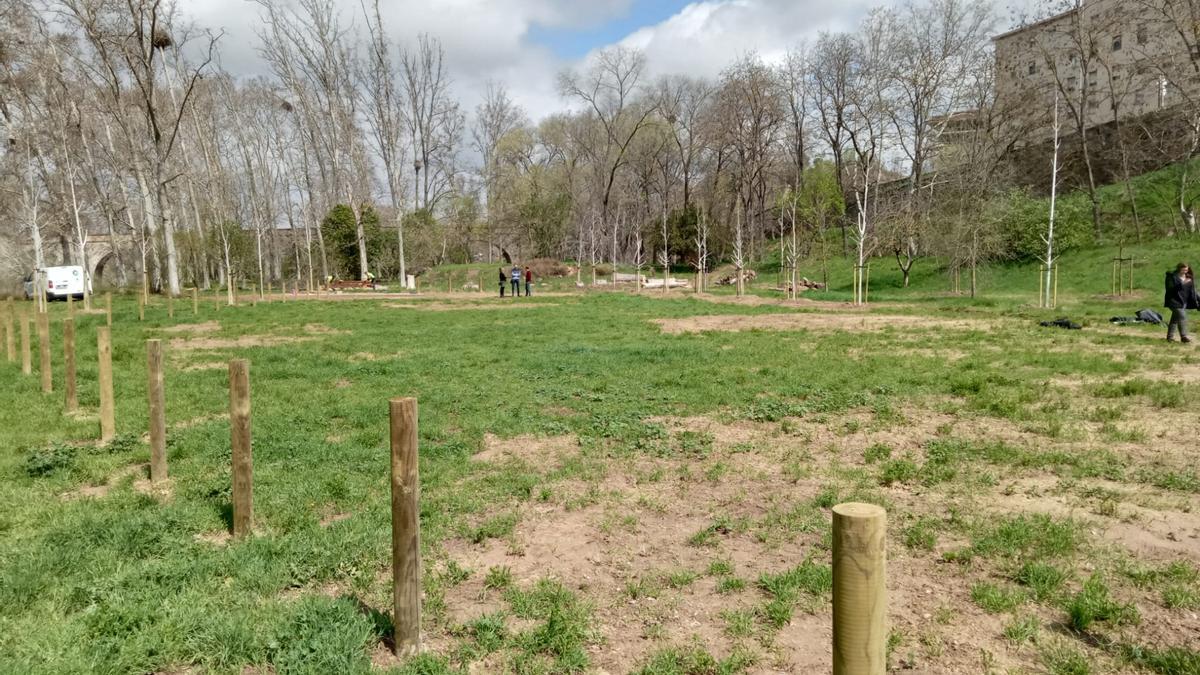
802	284
731	279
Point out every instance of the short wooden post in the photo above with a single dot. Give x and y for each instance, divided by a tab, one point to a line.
141	307
158	404
867	286
10	339
43	329
26	353
108	309
859	590
1055	303
70	304
1042	286
170	306
195	301
406	527
108	425
243	462
72	398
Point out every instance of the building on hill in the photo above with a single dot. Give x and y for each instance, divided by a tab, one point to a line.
1104	61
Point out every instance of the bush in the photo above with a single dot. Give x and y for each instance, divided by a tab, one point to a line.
548	267
1023	219
50	459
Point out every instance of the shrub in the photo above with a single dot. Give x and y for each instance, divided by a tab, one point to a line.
548	267
50	459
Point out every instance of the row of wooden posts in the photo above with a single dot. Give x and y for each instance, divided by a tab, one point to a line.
859	557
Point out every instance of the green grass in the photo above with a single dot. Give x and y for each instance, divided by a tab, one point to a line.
129	582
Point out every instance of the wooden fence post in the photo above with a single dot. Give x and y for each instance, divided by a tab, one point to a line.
859	589
26	354
108	309
406	527
195	301
10	340
43	329
141	307
72	397
108	426
157	402
170	305
243	462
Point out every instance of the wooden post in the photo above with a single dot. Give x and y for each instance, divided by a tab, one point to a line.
867	286
70	304
26	354
859	590
1055	302
141	307
243	462
108	426
10	340
1042	286
1113	277
158	404
72	398
108	309
170	305
195	301
406	527
43	329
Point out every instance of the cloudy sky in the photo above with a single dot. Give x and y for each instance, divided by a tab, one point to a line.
525	43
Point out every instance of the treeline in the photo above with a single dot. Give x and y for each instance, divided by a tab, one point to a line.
355	154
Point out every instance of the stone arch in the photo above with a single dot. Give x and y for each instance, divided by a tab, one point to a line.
98	270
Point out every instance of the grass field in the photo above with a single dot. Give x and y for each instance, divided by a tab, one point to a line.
613	483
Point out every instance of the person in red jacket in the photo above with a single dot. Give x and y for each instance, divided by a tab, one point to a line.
528	280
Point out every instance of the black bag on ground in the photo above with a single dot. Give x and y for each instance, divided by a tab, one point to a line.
1062	322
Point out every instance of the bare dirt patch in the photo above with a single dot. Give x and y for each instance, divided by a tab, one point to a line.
241	342
451	307
218	538
205	365
814	322
114	479
341	383
193	328
529	448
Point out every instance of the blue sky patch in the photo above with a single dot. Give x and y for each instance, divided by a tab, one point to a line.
574	43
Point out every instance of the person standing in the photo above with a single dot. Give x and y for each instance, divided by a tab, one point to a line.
516	281
528	280
503	280
1180	297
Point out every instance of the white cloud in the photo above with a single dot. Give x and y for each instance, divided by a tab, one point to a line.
489	39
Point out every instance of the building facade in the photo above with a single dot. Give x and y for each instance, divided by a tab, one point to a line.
1103	61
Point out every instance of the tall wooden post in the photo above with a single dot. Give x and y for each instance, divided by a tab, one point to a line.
108	425
26	354
72	397
108	309
170	305
158	404
195	301
43	329
243	462
70	304
10	339
141	307
406	527
859	590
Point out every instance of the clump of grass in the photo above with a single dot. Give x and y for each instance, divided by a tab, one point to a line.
730	585
695	661
496	527
921	535
489	632
898	471
498	578
454	574
786	588
681	578
877	453
1169	661
1034	536
643	587
1095	603
720	568
1043	579
1063	659
995	599
564	632
49	460
1022	629
738	624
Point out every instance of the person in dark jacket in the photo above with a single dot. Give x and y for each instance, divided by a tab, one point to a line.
503	281
528	280
1180	297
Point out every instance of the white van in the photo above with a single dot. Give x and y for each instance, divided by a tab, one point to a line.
59	282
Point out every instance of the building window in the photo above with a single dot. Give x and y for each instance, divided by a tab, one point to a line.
1116	43
1072	83
1033	68
1142	35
